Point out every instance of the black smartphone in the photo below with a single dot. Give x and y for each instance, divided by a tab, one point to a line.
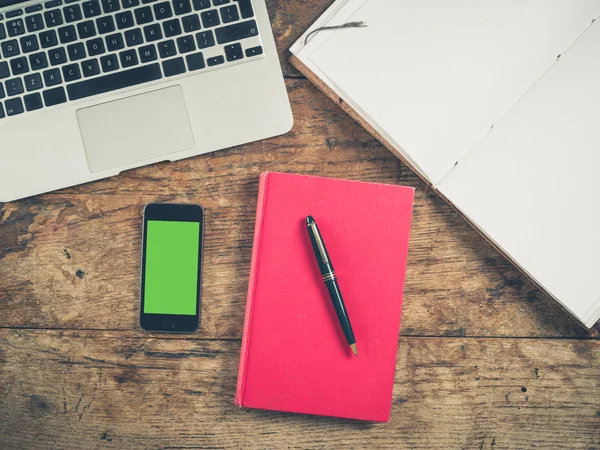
171	267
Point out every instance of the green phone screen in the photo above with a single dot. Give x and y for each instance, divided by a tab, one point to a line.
171	275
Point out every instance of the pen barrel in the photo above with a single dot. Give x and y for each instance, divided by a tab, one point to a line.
318	245
340	309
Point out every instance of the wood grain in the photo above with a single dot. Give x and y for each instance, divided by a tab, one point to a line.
128	390
289	19
71	259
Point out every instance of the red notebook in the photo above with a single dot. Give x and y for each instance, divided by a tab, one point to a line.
294	355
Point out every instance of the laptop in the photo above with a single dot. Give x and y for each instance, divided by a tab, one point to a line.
91	88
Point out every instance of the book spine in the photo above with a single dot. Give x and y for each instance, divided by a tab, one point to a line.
241	380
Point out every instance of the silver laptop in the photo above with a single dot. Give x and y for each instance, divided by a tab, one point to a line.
90	88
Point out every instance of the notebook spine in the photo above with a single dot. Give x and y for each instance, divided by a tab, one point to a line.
241	380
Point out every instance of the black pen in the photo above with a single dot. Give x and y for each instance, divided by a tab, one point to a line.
330	281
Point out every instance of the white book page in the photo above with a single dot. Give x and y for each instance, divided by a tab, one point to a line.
338	13
436	75
533	183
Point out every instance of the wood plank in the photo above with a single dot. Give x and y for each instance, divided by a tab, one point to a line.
71	259
102	389
289	20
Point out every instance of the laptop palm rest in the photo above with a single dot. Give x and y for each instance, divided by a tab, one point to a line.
135	129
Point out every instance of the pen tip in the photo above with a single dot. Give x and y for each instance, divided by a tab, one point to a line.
309	220
354	350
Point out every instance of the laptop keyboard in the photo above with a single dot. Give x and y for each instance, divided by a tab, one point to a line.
59	51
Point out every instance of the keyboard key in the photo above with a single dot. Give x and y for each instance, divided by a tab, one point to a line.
166	49
143	15
190	23
2	31
220	2
215	60
54	96
90	67
145	2
33	8
130	3
34	23
254	51
233	52
33	82
14	86
112	82
205	39
173	67
1	111
210	18
128	58
33	102
236	31
13	106
57	56
229	14
2	94
125	20
52	77
38	61
186	44
163	11
201	4
53	18
182	7
19	65
134	37
15	27
10	48
115	42
108	63
67	34
195	61
147	53
110	6
86	29
172	28
245	8
95	47
4	71
14	13
91	8
48	38
29	43
71	72
105	25
76	51
152	32
72	13
53	4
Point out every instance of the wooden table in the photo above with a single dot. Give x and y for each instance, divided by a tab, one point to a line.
485	360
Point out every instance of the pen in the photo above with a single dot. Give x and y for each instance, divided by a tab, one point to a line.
330	281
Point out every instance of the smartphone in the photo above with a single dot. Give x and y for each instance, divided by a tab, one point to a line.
171	267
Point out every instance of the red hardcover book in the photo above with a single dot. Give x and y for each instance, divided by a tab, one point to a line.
294	355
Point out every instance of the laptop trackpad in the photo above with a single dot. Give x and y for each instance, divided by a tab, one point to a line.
135	129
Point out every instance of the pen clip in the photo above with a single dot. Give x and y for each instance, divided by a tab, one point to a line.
319	242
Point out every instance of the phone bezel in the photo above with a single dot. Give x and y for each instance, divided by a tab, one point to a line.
173	323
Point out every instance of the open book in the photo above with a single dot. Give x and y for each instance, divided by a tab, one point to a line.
496	104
